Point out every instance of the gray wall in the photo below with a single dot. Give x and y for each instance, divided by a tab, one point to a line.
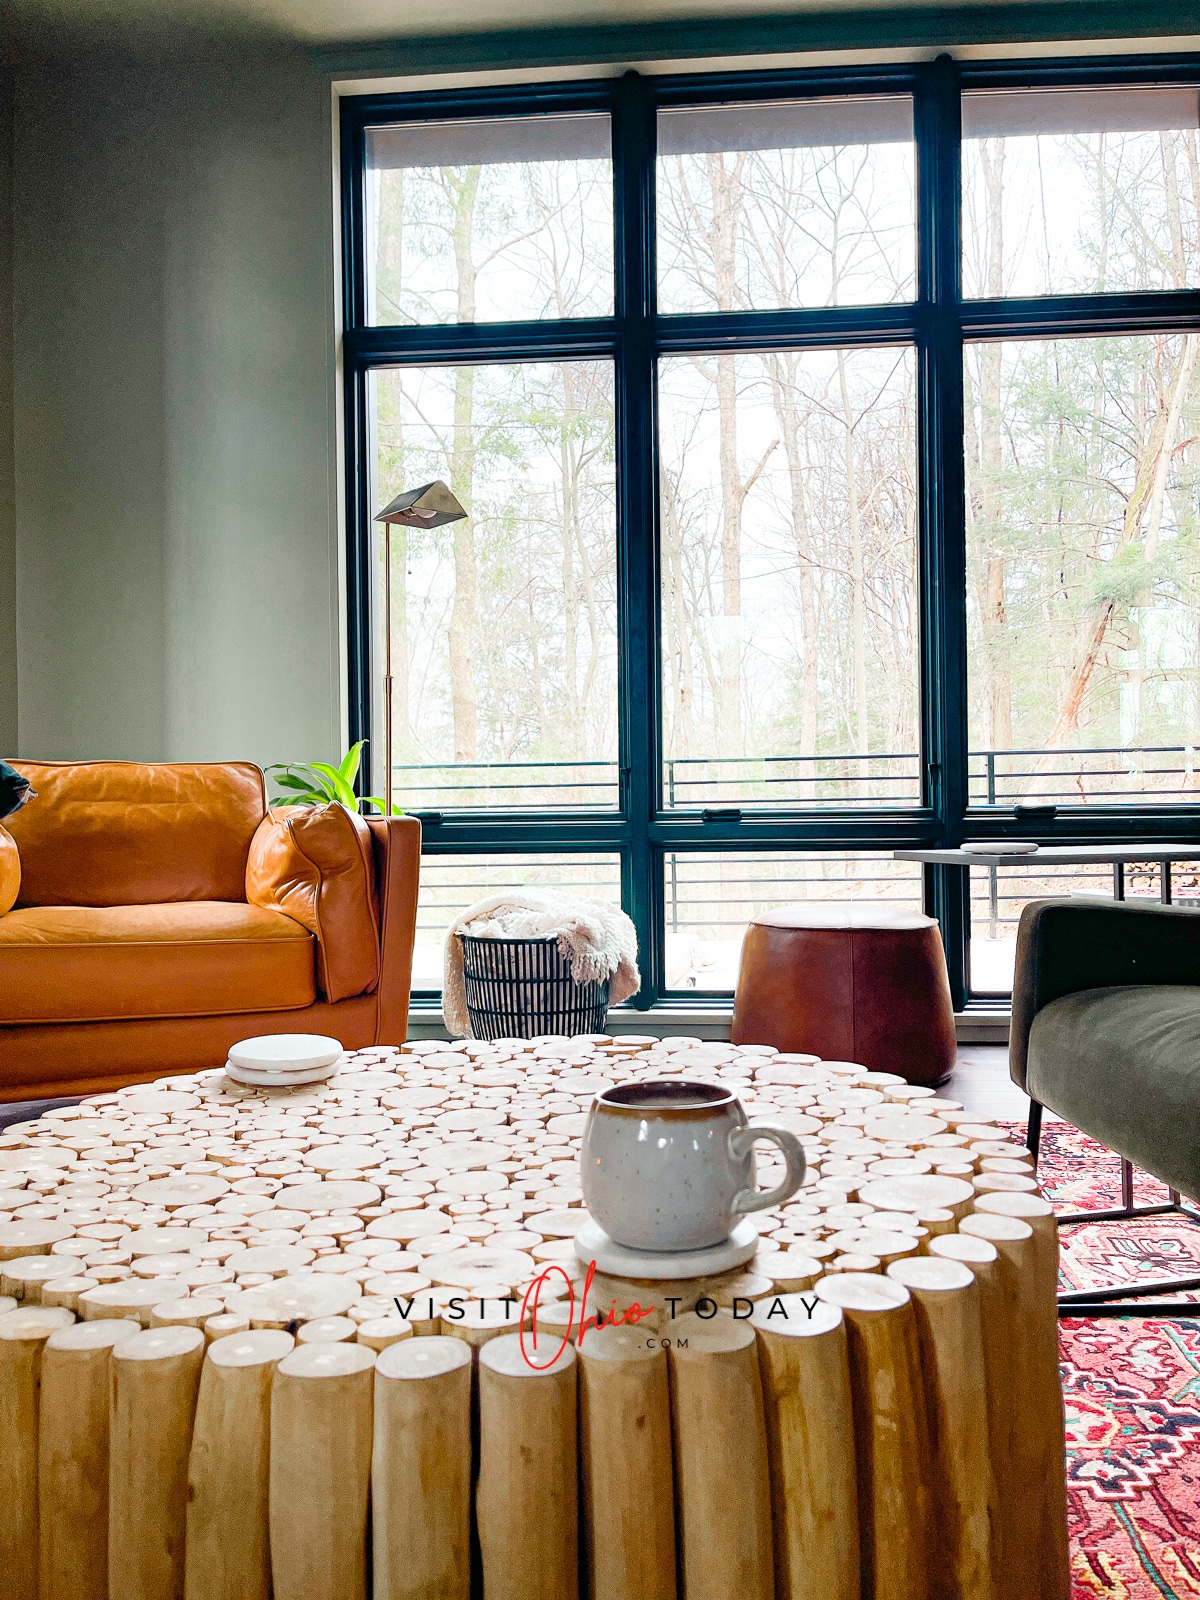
176	546
8	527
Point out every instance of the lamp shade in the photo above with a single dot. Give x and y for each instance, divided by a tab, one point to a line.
430	506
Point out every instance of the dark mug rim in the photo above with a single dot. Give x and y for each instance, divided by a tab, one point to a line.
688	1097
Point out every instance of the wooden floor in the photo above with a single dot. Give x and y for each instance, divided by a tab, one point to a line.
980	1080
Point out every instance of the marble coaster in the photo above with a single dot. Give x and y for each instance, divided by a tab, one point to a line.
260	1079
593	1244
286	1052
280	1060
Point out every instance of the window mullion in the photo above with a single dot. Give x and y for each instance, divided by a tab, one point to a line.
637	514
940	493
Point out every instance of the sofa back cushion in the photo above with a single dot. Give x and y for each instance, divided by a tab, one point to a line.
315	864
120	833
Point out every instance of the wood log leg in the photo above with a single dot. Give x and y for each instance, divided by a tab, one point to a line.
625	1448
321	1422
890	1432
1038	1378
23	1334
421	1471
155	1379
527	1497
723	1484
228	1538
73	1459
950	1332
805	1367
997	1313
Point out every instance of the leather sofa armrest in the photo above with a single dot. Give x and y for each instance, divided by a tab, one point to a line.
1064	946
10	871
397	848
315	864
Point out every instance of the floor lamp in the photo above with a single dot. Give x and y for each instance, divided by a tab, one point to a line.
430	506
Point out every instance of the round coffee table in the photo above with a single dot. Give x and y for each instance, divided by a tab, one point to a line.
848	982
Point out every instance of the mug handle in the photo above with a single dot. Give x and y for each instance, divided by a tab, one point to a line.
740	1142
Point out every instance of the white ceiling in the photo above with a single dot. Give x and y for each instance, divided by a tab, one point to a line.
316	22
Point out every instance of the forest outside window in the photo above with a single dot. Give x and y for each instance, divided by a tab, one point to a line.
1080	191
1083	467
504	638
829	446
800	203
489	219
788	571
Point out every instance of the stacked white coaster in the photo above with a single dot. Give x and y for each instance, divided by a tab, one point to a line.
284	1060
999	847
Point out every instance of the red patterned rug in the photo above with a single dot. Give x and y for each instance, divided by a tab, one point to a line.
1132	1388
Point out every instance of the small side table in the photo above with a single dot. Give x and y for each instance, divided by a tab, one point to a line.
1118	856
848	982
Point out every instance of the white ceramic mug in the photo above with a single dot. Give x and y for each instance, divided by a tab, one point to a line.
669	1165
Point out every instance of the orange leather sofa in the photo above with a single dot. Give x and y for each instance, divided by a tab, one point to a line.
153	915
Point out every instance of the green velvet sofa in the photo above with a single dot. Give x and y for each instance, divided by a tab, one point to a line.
1106	1028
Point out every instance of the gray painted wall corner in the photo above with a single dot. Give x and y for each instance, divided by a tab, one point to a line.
8	523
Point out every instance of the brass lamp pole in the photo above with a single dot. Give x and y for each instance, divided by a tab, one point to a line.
430	506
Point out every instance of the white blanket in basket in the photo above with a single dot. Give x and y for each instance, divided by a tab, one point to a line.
597	939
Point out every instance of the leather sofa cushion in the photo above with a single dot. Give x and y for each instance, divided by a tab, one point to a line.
314	863
119	833
198	958
1123	1064
10	871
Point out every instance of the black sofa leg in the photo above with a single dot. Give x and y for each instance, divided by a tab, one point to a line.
1034	1136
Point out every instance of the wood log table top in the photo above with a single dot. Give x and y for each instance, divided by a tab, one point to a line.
448	1168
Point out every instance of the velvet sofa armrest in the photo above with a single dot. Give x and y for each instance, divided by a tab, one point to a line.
1064	946
10	871
397	849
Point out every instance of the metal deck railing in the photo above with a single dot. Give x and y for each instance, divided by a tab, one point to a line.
1072	775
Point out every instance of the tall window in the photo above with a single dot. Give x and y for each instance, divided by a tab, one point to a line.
829	444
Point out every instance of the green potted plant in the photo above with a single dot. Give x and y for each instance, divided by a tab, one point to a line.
316	783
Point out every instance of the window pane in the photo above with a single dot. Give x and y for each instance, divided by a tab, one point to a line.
800	203
494	219
1083	586
789	611
449	884
1000	894
711	898
1080	191
504	640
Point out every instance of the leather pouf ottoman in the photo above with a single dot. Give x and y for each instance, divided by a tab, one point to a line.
848	983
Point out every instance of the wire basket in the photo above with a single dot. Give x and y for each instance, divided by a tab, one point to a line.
519	988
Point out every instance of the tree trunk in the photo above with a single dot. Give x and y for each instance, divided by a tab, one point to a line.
858	595
993	605
787	412
726	186
729	717
569	469
462	472
678	622
1144	502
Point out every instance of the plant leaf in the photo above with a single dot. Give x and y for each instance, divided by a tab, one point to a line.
381	803
348	767
341	790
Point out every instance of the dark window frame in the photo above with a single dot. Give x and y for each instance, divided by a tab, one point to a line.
937	324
